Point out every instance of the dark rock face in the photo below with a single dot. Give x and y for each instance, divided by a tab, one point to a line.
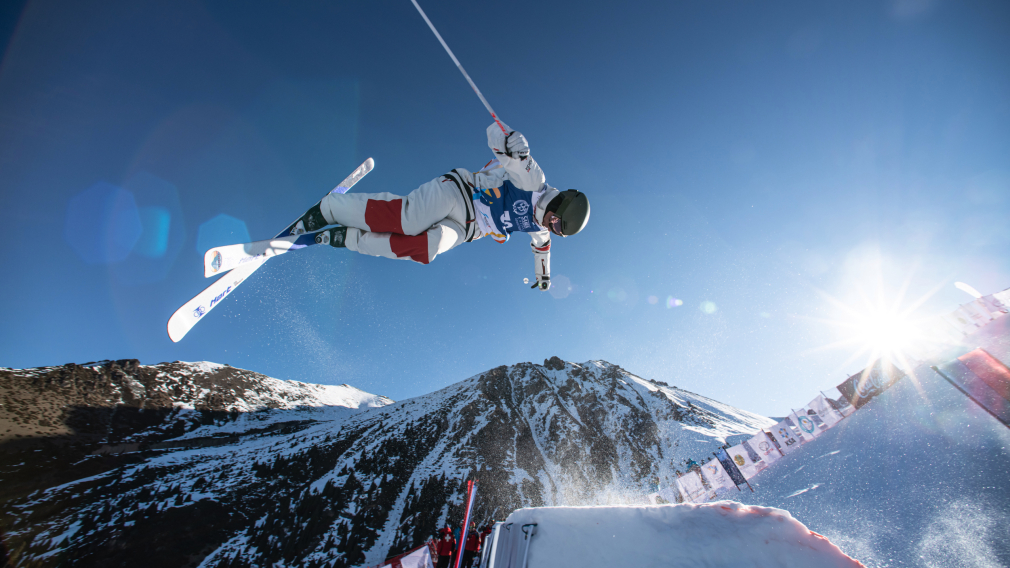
82	404
320	488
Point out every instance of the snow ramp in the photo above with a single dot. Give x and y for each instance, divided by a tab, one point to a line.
721	534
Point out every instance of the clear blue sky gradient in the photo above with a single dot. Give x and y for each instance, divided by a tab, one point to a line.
749	159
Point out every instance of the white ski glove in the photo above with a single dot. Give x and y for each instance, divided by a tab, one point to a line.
513	144
542	266
543	282
516	146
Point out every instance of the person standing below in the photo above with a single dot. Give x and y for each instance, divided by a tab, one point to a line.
486	533
472	546
446	547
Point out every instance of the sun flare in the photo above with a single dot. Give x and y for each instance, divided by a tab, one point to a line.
876	327
888	333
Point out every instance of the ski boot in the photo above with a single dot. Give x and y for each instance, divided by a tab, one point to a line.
311	221
334	237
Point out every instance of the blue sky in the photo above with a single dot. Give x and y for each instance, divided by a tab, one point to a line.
749	160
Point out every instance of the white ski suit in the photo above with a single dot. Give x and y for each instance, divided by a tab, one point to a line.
452	209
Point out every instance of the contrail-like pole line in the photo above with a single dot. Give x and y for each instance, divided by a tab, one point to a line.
461	70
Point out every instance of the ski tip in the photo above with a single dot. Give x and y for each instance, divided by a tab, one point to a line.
174	331
369	163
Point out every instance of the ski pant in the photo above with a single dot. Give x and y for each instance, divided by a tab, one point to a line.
429	221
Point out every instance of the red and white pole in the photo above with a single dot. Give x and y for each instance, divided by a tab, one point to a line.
471	492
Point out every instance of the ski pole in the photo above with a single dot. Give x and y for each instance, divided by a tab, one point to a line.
461	70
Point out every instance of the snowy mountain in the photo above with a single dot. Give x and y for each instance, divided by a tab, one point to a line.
185	469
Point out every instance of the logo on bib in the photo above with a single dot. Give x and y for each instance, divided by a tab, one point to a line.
520	207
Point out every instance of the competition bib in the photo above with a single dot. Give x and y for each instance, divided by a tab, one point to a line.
508	209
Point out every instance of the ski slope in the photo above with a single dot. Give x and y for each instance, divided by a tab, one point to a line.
920	476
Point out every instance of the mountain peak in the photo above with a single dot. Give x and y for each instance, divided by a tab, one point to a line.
352	476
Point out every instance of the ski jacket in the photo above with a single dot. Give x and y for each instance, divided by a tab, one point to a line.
509	195
446	547
472	542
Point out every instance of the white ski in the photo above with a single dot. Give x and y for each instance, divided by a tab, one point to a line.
192	311
186	317
229	257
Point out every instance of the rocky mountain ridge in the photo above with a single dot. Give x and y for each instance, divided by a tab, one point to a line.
120	401
334	486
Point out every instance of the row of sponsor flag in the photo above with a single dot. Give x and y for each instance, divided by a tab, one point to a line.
967	318
734	466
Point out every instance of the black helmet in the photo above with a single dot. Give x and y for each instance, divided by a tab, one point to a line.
572	207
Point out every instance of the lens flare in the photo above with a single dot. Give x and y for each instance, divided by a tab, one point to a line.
617	295
153	242
561	287
102	224
221	230
672	302
163	231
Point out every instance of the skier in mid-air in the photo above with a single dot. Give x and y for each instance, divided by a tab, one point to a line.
510	194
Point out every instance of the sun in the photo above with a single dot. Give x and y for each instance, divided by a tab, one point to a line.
887	332
882	327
